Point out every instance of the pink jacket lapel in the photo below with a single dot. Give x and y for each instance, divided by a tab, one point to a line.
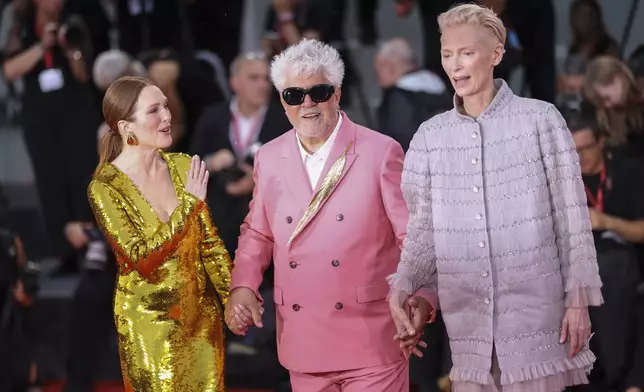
346	134
299	181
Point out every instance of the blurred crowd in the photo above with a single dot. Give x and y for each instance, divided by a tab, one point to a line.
59	56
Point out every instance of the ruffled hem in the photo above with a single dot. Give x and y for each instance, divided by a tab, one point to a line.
553	383
553	376
471	376
583	285
582	361
401	282
584	296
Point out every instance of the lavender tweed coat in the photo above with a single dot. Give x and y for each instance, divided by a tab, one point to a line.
500	227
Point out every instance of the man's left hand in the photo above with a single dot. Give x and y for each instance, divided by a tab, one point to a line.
243	186
597	219
420	312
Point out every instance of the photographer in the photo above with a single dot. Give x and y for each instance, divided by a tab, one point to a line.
614	188
18	288
58	109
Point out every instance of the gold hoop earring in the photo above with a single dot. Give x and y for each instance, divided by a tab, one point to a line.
132	139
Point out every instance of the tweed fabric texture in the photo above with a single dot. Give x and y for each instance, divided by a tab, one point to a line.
499	225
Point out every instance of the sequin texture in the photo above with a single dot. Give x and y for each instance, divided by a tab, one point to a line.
173	279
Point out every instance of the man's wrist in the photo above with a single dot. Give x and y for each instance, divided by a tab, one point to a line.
610	222
285	17
74	54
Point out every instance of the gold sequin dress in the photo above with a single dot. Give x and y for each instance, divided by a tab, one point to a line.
173	279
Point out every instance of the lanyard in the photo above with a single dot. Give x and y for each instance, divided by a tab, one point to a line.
598	201
49	56
241	144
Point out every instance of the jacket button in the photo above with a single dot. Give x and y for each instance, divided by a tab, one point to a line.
339	217
335	263
296	307
289	219
339	305
293	264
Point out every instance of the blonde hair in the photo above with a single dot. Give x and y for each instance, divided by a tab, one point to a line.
476	15
618	122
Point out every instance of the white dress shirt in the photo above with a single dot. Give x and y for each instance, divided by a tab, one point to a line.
248	128
314	163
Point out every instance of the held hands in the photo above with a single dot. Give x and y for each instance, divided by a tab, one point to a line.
410	313
575	329
197	178
242	311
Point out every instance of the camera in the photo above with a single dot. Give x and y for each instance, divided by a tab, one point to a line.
235	173
76	33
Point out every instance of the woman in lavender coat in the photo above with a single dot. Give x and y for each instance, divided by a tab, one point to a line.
499	227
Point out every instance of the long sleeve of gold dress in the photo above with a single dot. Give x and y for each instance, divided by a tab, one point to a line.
173	279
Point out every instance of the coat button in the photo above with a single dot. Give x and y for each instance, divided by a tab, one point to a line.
475	189
487	301
485	274
335	263
296	307
289	219
339	305
474	161
293	264
474	135
339	217
481	244
479	216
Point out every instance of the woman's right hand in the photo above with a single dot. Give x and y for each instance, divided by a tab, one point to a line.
49	35
197	179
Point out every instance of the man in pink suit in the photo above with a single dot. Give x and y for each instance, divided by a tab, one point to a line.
328	210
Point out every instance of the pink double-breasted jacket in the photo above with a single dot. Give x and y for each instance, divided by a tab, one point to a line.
330	289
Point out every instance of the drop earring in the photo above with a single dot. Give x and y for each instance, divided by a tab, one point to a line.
132	140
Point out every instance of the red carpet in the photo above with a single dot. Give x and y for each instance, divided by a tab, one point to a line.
115	387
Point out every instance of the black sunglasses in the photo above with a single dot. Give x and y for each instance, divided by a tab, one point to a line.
319	93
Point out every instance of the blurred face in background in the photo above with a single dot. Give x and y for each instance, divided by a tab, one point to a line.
613	94
589	150
312	119
584	19
469	54
152	120
251	83
386	71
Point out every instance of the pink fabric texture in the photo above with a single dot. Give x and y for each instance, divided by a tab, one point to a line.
330	288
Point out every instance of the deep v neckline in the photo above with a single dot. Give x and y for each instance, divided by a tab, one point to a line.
146	201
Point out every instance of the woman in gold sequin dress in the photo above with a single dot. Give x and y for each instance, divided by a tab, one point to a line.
174	272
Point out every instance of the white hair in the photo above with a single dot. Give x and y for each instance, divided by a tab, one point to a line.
398	49
309	57
113	64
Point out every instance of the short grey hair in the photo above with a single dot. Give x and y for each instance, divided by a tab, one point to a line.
307	58
398	49
244	58
113	64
